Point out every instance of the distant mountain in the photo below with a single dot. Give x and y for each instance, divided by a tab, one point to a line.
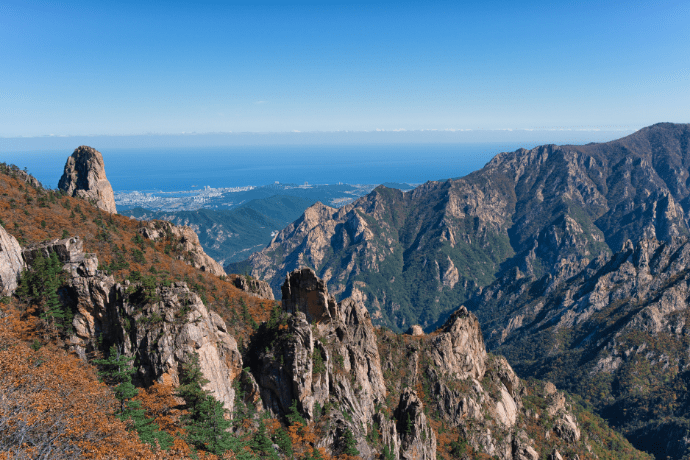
414	256
233	235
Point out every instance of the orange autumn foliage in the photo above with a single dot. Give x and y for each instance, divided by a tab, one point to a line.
52	405
34	215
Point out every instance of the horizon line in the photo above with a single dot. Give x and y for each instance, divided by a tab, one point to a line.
373	131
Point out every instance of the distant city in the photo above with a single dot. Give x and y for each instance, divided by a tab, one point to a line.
335	195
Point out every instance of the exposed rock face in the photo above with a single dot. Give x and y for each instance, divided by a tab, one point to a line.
252	286
11	263
416	330
84	177
549	210
334	358
304	292
28	178
161	333
185	242
349	368
418	441
459	348
621	315
68	250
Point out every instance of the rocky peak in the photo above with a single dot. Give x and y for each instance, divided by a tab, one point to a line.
186	240
84	177
459	346
11	263
304	292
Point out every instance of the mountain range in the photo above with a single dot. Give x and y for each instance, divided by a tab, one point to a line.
415	256
122	339
573	258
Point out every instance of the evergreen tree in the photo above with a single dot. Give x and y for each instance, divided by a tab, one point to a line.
387	453
117	371
54	313
40	285
261	443
282	439
205	421
350	443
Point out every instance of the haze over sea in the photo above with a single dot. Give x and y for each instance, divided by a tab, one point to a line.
175	169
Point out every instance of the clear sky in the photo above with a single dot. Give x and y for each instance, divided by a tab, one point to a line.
112	68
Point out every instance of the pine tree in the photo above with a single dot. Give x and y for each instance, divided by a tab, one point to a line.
205	421
117	371
350	443
261	443
54	313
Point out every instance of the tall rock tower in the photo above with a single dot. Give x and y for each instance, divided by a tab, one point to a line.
84	177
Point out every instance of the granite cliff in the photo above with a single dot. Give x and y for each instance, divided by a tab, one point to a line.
322	362
413	257
84	177
615	332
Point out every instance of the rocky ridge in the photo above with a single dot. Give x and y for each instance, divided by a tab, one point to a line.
84	177
394	395
413	257
406	389
185	240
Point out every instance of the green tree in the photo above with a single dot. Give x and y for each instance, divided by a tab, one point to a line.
205	421
116	371
350	443
39	284
261	444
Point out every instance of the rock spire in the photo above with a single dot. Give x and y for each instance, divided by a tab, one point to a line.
84	177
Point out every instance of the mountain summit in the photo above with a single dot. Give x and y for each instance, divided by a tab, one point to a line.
413	257
84	177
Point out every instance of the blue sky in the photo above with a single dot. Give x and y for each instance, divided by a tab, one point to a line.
114	68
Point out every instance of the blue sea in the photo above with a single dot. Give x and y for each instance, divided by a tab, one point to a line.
167	169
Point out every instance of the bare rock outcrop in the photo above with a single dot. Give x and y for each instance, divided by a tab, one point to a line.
304	292
185	242
416	330
459	348
68	250
328	354
84	177
253	286
418	441
160	328
11	263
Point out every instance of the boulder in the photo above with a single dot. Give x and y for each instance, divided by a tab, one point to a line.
84	177
415	330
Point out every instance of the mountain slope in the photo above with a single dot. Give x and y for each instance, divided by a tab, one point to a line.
414	256
230	236
321	381
616	333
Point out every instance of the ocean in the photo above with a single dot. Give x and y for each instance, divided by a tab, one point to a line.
167	169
